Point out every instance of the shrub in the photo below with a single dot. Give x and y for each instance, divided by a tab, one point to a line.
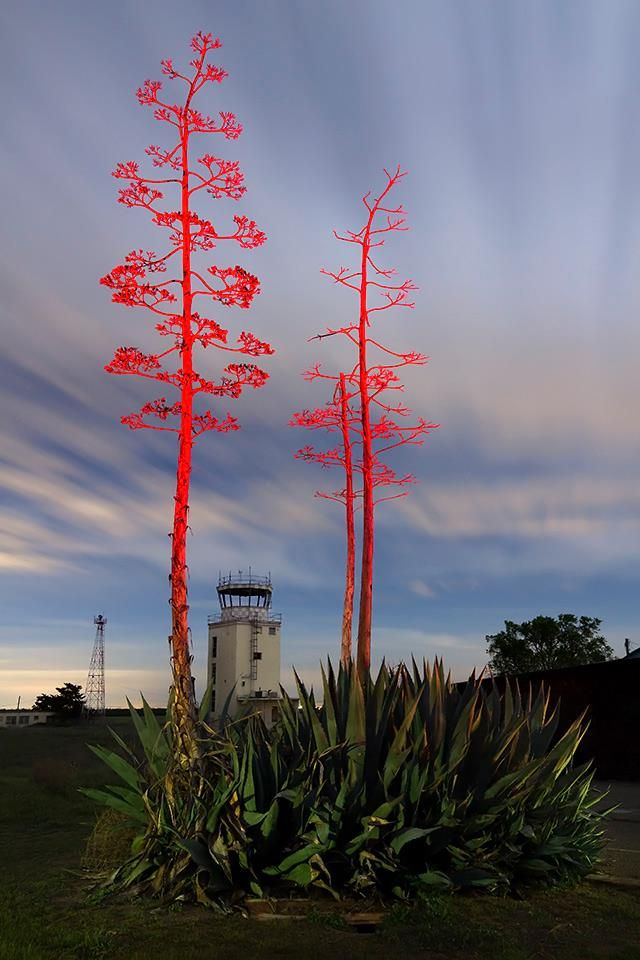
400	786
109	843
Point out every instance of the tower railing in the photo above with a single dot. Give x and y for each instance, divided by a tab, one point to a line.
244	580
245	614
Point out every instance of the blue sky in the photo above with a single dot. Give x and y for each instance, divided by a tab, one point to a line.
518	124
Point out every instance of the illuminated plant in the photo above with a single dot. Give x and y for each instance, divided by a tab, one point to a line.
337	416
372	423
399	785
141	281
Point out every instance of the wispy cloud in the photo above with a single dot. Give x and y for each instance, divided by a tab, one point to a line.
570	507
421	589
515	126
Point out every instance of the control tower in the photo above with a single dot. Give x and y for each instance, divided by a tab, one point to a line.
244	648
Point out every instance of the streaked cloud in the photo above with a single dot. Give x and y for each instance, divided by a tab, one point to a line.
571	507
516	124
421	589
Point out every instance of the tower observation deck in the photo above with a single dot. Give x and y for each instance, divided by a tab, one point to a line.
246	597
244	647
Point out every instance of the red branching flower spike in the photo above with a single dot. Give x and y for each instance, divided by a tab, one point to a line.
226	180
250	345
132	360
239	286
168	284
206	421
361	408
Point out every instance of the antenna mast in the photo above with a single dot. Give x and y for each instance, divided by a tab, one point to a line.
95	700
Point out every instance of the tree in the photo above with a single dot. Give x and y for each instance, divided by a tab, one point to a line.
136	283
67	703
545	643
377	426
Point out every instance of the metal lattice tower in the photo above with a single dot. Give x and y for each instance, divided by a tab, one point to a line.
95	700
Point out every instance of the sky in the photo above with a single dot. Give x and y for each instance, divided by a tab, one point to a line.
518	123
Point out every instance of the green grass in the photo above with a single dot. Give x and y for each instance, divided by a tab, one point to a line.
49	909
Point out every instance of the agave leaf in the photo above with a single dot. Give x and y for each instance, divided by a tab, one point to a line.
292	860
134	797
355	714
511	781
135	871
434	880
123	745
220	853
562	753
302	875
225	716
151	737
198	851
107	799
328	703
407	836
535	865
475	877
322	742
247	786
124	770
205	704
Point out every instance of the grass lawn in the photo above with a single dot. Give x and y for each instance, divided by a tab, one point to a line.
48	910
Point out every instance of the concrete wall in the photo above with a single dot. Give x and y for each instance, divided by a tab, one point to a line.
232	663
269	666
22	718
225	662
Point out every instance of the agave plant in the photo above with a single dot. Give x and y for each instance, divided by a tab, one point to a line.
407	782
174	807
397	785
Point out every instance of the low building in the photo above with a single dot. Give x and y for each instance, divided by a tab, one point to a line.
23	718
243	663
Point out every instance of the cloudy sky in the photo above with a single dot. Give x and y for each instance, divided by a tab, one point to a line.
518	124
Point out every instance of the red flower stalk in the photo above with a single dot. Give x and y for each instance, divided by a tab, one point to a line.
337	416
140	282
369	383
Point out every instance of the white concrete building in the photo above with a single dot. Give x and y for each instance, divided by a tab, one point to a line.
243	663
14	719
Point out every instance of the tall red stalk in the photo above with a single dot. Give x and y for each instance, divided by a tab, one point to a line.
337	417
369	383
189	234
350	562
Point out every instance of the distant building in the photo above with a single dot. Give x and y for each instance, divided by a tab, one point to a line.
243	663
629	653
23	718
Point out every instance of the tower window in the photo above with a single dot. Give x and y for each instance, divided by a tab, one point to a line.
257	655
213	702
213	673
272	631
214	647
